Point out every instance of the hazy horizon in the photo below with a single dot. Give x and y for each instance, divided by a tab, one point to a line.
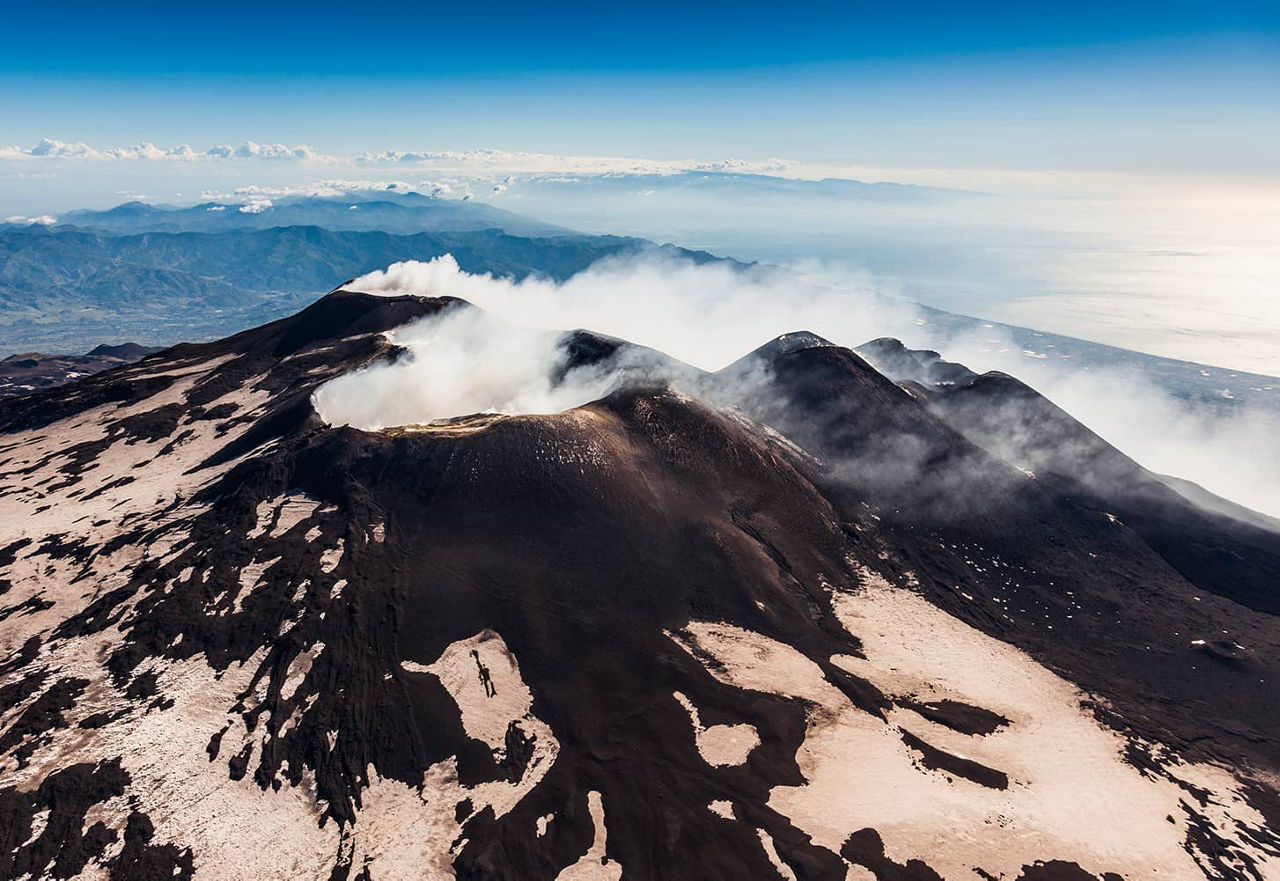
1126	153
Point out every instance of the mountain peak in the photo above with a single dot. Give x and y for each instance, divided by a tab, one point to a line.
794	341
924	366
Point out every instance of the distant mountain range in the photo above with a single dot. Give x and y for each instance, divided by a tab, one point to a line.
389	211
162	274
67	288
738	185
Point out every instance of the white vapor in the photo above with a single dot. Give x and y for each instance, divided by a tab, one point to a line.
710	314
1228	450
703	314
461	362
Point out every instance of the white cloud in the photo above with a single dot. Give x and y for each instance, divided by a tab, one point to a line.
497	161
324	188
703	314
742	166
49	148
42	220
147	151
484	161
251	150
257	206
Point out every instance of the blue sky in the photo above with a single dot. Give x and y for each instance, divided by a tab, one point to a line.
1100	86
414	38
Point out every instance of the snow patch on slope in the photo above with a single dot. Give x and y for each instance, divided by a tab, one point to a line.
1070	794
594	865
720	745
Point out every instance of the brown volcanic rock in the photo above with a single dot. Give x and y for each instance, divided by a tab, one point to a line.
647	638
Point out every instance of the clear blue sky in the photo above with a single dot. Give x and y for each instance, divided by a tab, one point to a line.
1172	85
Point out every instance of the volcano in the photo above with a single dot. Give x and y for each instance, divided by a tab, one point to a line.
801	618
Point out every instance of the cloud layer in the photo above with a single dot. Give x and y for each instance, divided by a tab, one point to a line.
49	148
477	161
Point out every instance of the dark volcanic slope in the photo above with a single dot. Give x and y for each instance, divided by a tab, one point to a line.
1234	557
27	372
645	638
1113	587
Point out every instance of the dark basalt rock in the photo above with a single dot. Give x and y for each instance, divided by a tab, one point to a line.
958	716
1060	870
41	716
1229	557
922	366
33	371
938	472
866	848
147	862
64	847
688	512
939	760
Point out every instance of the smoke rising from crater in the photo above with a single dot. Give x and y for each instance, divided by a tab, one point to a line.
705	314
462	362
710	314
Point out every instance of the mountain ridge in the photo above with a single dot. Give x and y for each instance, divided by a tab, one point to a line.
386	211
81	286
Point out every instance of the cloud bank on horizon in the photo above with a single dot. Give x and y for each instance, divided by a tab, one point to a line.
480	160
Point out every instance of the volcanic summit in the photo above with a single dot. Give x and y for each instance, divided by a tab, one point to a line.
800	618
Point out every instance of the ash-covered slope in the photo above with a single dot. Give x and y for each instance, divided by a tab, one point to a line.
704	631
1235	556
29	371
1083	582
